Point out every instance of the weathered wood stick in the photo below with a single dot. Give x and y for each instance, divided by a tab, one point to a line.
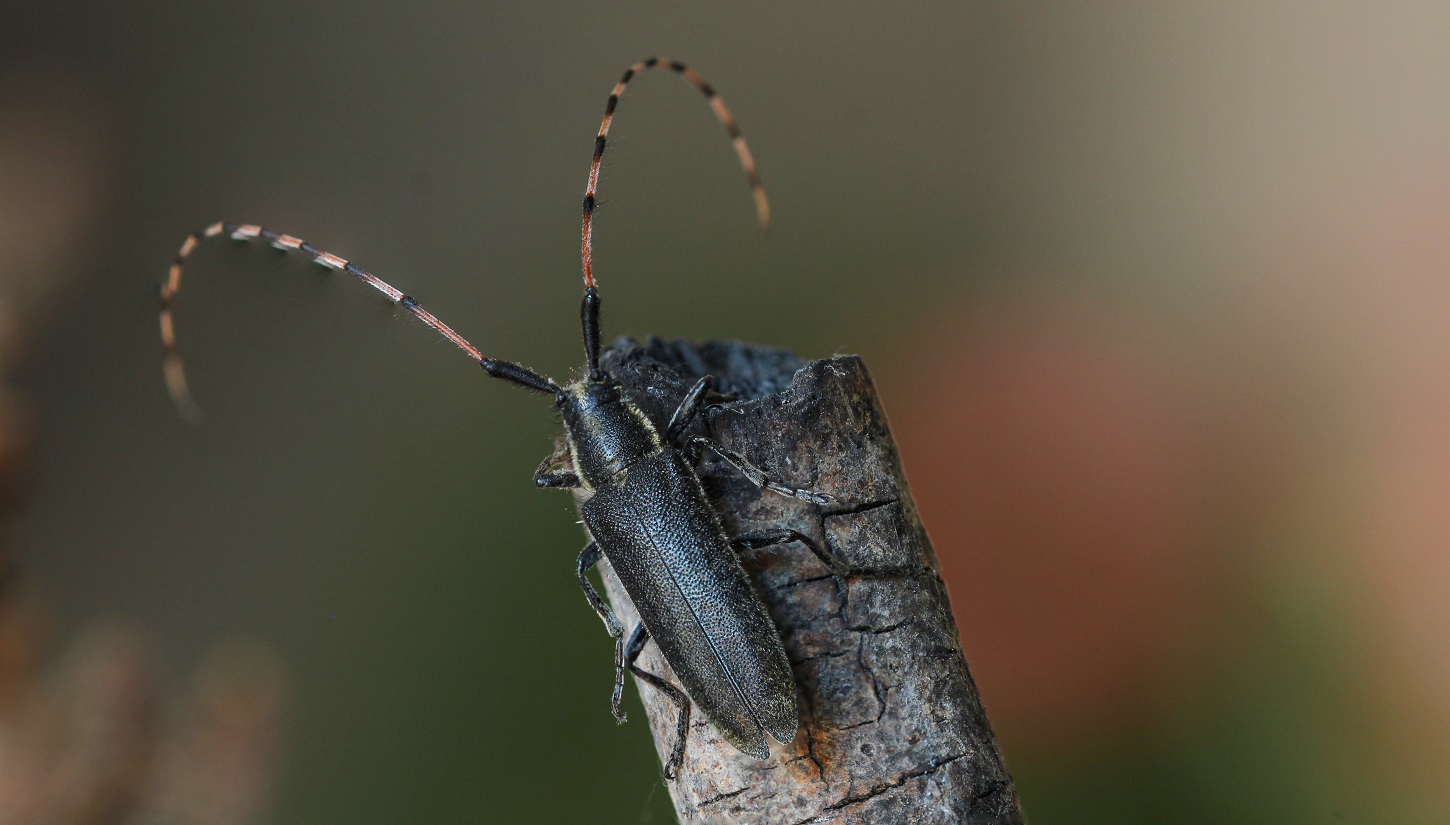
893	730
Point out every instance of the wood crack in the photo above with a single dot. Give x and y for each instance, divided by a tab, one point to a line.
924	771
724	796
861	507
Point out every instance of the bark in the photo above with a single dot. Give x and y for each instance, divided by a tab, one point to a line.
893	730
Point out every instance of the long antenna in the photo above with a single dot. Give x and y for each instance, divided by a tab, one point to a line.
762	207
176	383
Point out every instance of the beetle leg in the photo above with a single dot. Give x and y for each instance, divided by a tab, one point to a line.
702	396
690	452
550	476
588	557
689	408
757	475
636	644
756	539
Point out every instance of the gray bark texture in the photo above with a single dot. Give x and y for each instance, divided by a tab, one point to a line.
893	730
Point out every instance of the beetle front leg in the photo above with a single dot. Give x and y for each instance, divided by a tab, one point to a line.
636	644
550	476
757	475
700	396
588	557
689	408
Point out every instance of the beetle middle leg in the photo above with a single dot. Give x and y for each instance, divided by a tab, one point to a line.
588	557
757	475
756	539
635	646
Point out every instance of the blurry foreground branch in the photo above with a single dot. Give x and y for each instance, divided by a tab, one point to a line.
95	744
94	741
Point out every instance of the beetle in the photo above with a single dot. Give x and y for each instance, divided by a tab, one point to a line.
642	498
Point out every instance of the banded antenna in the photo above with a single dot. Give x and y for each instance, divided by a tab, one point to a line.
762	207
176	383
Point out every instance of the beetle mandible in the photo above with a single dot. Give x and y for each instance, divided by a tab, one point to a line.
644	504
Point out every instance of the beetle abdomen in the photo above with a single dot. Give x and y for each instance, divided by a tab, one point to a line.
657	530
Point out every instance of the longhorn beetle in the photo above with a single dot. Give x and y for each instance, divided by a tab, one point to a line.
643	501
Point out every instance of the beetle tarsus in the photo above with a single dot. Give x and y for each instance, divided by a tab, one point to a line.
552	475
635	646
588	557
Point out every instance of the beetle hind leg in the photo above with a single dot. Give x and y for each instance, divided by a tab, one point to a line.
588	557
625	654
756	539
635	646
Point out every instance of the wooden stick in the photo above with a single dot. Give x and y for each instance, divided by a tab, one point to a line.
893	730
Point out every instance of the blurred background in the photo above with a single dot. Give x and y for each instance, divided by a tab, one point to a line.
1156	298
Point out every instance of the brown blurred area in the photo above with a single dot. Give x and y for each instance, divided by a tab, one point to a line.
1207	540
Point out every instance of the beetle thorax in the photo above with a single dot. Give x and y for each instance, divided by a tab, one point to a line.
606	431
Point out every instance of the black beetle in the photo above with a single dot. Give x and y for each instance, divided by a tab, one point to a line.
643	500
